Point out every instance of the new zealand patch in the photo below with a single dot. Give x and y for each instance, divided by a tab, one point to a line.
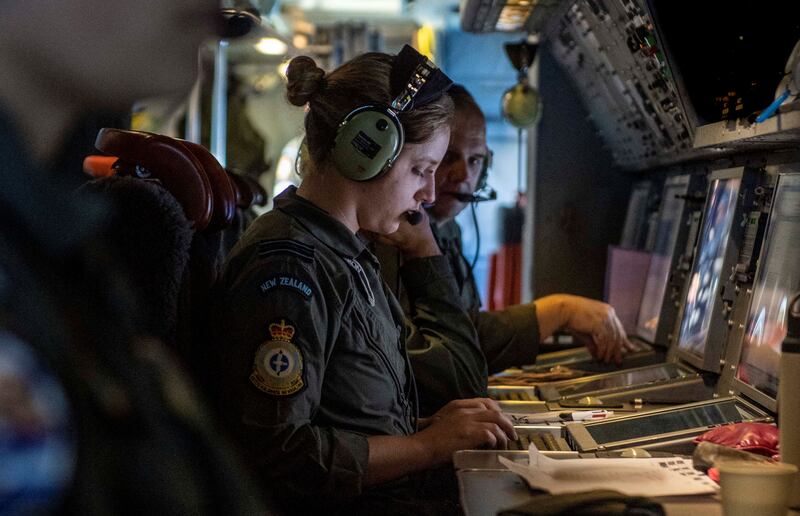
278	365
286	281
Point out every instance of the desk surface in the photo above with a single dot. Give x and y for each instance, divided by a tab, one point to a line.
486	492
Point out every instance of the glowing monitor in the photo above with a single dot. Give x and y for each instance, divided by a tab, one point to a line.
669	219
777	278
707	267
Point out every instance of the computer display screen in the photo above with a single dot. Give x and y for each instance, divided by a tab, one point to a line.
702	416
634	231
669	219
778	277
707	267
636	377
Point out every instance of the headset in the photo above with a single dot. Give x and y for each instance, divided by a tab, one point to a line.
370	137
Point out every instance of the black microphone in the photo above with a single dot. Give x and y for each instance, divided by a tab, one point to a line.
473	197
414	217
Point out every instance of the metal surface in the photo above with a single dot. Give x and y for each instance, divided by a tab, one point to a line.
219	104
659	373
579	437
781	130
485	493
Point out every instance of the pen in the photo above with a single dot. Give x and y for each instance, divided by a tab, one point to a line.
585	415
559	417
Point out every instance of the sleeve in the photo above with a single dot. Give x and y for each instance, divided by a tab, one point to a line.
281	317
508	337
442	344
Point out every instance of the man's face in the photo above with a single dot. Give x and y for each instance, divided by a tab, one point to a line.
461	166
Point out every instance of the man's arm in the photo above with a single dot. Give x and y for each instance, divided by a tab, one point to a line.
512	337
509	337
443	348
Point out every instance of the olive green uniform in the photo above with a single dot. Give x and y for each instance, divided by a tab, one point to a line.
508	337
312	351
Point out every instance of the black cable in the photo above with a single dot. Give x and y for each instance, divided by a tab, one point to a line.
477	237
519	160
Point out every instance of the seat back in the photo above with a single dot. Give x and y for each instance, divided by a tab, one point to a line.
152	156
174	273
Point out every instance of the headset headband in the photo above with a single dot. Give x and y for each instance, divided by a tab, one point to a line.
417	80
415	83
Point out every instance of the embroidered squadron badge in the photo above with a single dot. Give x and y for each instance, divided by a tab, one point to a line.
278	365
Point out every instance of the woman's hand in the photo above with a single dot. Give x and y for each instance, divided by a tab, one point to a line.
413	241
465	424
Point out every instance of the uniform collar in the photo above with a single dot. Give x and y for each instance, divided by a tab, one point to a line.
320	223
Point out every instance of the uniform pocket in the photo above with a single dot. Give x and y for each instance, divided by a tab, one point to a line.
382	342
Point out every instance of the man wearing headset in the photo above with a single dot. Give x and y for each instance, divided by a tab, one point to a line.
512	336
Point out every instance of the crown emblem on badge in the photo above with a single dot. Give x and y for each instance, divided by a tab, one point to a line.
281	331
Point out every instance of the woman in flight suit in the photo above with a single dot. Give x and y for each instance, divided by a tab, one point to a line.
312	364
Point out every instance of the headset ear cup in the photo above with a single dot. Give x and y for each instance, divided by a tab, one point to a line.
367	143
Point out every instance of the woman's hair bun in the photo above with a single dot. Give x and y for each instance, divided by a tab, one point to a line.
305	80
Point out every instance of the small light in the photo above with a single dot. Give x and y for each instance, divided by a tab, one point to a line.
300	41
272	46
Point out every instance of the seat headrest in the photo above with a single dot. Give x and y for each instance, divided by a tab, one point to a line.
169	161
259	193
221	187
249	192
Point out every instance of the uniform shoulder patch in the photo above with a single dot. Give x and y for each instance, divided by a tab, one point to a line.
286	246
286	281
278	364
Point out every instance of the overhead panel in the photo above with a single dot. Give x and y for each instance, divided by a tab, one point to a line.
508	15
609	49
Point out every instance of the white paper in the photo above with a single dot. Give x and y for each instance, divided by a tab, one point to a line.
633	477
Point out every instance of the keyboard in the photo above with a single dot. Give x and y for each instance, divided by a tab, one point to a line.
511	395
544	441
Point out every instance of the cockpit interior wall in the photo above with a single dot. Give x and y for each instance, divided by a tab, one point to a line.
581	197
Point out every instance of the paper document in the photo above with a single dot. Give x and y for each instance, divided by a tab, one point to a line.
633	477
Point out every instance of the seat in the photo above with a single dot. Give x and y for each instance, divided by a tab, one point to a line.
156	179
222	188
152	156
249	192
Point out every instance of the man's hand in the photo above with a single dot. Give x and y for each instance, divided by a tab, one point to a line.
592	323
412	241
595	324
